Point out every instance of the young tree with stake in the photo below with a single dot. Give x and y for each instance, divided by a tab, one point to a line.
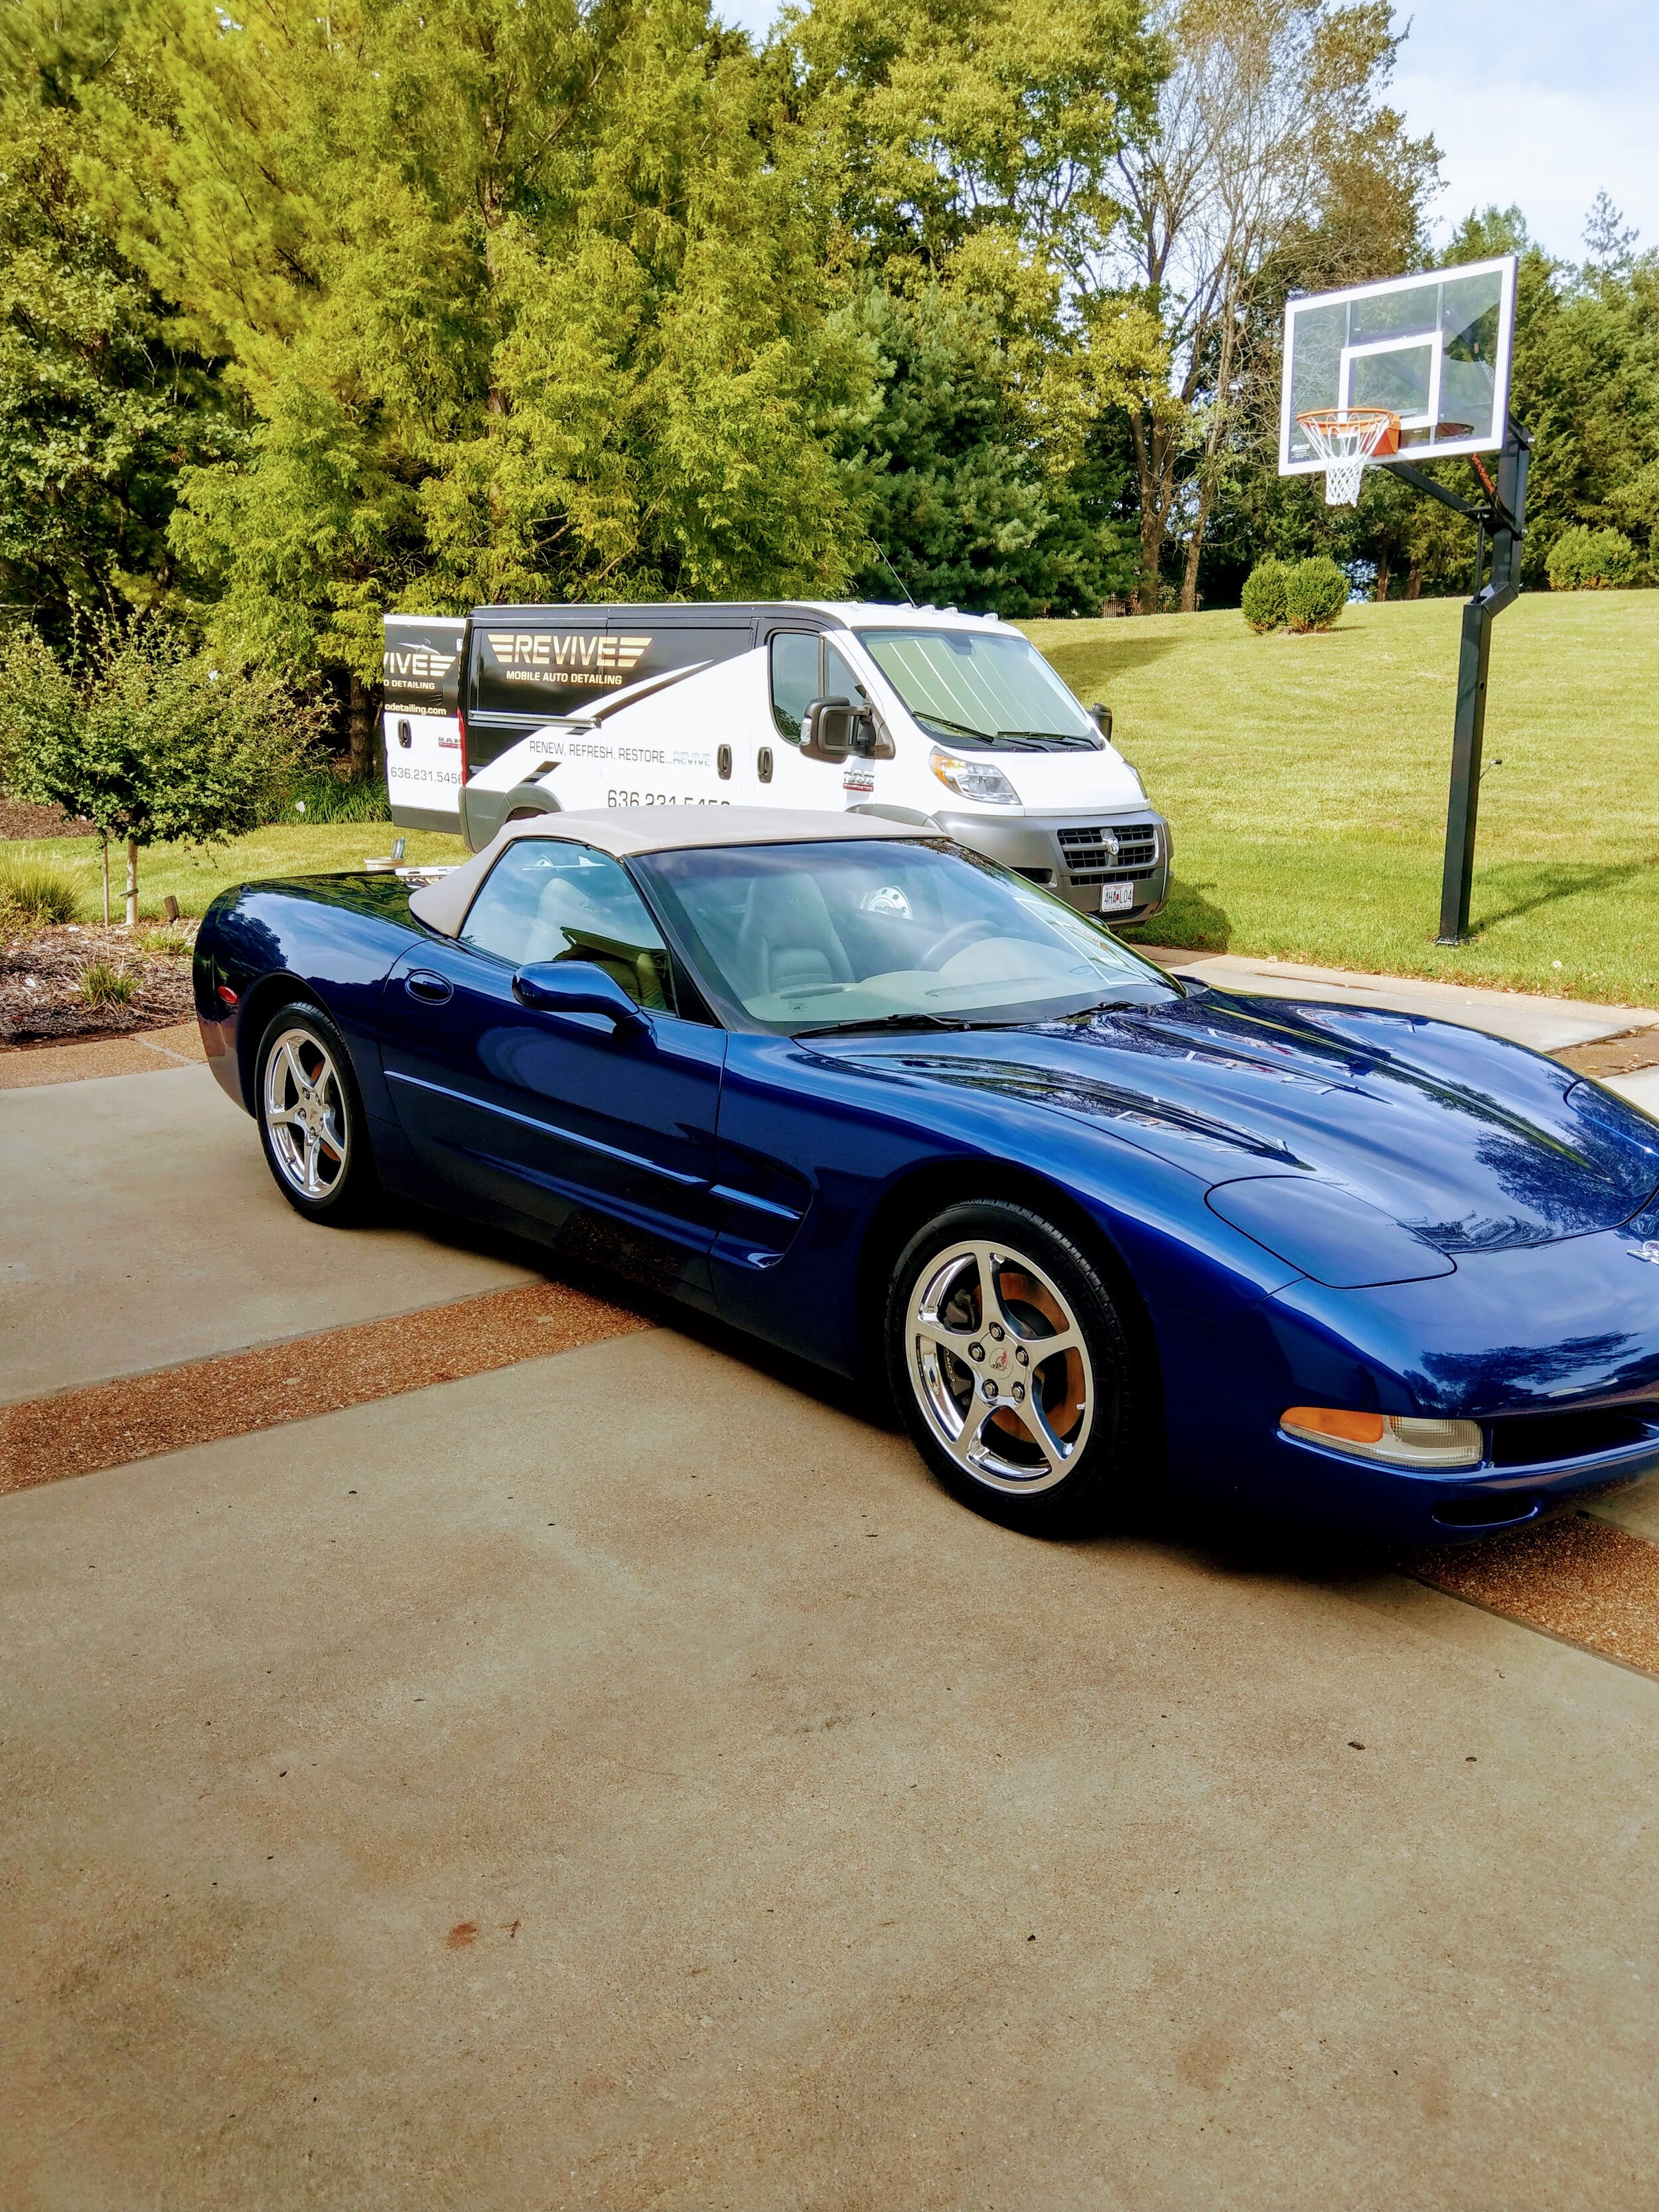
140	736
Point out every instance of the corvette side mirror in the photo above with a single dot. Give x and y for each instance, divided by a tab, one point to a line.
577	987
828	729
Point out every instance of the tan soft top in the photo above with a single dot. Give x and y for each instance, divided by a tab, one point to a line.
625	831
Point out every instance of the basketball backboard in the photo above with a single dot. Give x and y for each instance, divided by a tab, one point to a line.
1432	350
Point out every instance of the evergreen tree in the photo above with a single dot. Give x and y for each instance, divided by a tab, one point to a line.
521	311
964	501
1585	379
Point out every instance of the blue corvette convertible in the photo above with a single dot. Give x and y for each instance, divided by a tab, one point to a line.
892	1108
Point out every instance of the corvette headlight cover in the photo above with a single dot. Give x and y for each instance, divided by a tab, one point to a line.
971	779
1326	1230
1398	1439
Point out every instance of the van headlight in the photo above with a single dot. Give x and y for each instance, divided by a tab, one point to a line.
1398	1439
971	779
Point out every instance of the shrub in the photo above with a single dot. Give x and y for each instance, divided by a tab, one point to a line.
33	895
1314	594
103	984
1264	595
172	942
1585	560
329	798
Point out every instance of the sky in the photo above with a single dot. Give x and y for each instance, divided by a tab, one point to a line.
1540	102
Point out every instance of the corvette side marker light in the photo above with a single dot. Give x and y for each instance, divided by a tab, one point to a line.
1400	1439
227	994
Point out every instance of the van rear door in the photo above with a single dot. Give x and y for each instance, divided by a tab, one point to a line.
420	670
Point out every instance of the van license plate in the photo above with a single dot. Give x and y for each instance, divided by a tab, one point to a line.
1114	897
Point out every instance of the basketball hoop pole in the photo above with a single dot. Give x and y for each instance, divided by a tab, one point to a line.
1505	519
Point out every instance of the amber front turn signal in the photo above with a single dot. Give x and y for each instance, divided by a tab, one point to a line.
1400	1439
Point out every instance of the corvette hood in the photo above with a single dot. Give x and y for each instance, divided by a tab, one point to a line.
1468	1143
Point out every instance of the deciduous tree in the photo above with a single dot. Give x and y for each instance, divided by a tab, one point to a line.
101	405
1270	163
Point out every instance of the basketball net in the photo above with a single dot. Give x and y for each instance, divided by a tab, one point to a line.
1345	439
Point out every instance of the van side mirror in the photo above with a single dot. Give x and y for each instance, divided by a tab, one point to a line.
829	729
1102	716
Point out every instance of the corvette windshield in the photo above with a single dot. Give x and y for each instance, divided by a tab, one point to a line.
871	935
981	690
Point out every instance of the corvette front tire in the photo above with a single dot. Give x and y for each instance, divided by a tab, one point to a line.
1010	1364
311	1118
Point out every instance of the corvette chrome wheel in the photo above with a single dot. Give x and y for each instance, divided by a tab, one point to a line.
304	1109
999	1366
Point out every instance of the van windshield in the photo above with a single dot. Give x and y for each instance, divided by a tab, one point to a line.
981	690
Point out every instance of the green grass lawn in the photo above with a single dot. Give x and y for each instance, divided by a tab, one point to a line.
193	873
1306	782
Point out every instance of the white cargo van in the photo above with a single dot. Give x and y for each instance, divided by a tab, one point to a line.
918	714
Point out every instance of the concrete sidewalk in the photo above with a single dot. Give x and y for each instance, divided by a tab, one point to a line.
479	1800
1641	1089
1547	1025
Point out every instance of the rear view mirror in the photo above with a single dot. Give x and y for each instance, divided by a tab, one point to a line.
828	729
1101	715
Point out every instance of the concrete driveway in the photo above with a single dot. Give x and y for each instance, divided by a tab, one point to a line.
141	1227
623	1780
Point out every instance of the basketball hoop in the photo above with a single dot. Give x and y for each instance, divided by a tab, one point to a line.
1345	439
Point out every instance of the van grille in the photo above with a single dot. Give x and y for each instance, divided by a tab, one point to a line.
1109	852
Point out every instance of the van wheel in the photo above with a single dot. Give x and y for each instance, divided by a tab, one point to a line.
311	1118
1010	1364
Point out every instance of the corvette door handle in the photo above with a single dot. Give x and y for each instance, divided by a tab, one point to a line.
431	989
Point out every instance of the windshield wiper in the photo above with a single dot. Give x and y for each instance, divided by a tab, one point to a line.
930	720
1109	1006
890	1022
1018	741
1056	738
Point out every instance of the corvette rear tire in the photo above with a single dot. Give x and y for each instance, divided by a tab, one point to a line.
1008	1362
311	1118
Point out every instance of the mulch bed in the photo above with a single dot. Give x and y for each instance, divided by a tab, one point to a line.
17	819
1614	1056
40	972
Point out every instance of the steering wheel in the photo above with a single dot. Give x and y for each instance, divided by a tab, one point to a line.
954	940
